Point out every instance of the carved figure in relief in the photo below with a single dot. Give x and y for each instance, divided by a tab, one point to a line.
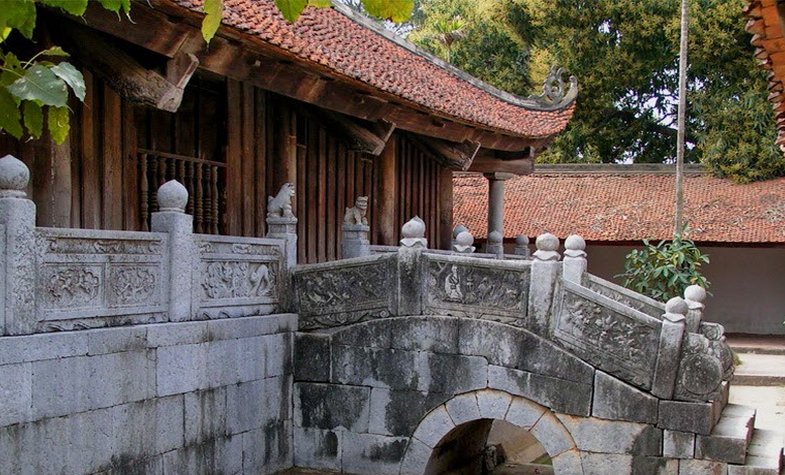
237	280
280	206
452	285
356	214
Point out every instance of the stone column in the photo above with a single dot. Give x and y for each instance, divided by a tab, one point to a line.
669	349
463	242
496	201
574	259
409	269
171	219
495	244
355	241
17	219
544	274
281	222
694	295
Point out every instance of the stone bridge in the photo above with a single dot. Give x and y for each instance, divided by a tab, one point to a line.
405	358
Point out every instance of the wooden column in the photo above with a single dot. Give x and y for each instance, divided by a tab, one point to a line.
234	163
386	230
445	208
52	182
285	158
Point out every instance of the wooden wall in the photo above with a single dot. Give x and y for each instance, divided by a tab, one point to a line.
232	145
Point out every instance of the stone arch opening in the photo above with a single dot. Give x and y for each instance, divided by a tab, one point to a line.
489	446
453	437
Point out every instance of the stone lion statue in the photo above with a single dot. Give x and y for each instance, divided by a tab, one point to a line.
281	205
356	214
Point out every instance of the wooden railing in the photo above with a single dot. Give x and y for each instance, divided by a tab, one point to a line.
205	181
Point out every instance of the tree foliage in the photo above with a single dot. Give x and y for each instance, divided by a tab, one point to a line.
664	270
625	55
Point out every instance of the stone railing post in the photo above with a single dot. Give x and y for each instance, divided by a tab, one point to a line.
694	295
455	232
495	244
463	242
172	219
409	269
17	217
281	222
544	274
574	259
522	246
669	348
355	241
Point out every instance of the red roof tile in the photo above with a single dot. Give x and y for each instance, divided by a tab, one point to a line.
626	207
329	38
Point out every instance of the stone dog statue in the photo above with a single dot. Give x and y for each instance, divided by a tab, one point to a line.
356	214
281	205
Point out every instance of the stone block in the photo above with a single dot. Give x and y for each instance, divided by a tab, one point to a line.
179	333
613	437
649	465
567	462
522	350
381	367
416	458
268	450
399	412
604	464
617	400
148	427
220	455
84	383
318	449
255	404
116	340
686	416
312	357
702	467
463	408
373	334
493	404
679	445
278	354
16	393
205	415
524	413
181	368
454	374
560	395
434	427
225	361
552	434
433	334
123	465
729	440
370	453
248	327
28	348
330	406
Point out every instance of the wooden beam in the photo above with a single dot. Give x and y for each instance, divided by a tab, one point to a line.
489	161
181	68
456	156
237	56
123	73
359	137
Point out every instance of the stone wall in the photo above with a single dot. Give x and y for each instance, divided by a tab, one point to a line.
198	397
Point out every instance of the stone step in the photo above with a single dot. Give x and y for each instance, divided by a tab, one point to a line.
764	455
760	370
730	438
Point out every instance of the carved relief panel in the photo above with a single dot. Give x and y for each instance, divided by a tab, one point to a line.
335	294
237	276
476	289
616	339
89	278
623	296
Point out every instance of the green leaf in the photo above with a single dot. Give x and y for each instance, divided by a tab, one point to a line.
9	114
40	84
54	51
320	3
57	119
291	9
4	33
74	7
68	73
116	5
397	11
18	14
213	12
33	117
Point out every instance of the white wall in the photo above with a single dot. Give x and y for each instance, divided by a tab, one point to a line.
748	284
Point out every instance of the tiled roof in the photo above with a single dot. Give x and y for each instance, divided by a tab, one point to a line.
329	38
626	207
767	37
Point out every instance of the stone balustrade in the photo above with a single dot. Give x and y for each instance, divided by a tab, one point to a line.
65	279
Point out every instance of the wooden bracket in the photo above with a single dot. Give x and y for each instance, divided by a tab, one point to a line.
457	156
370	139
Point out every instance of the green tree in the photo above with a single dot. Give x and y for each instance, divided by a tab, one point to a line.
625	55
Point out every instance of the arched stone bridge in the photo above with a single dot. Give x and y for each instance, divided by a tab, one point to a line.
406	357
